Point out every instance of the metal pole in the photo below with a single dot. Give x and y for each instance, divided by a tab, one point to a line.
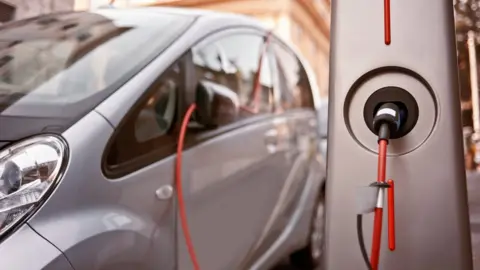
472	57
420	186
472	54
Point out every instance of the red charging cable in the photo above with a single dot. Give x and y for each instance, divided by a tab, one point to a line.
387	120
378	218
377	223
178	183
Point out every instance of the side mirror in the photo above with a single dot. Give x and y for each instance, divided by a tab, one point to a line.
216	104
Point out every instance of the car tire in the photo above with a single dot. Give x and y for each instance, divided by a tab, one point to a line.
310	257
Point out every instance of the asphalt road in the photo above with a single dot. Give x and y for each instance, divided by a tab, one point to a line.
473	185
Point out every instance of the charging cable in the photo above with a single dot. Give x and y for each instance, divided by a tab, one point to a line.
386	122
179	188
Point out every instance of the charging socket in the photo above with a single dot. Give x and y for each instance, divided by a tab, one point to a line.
403	99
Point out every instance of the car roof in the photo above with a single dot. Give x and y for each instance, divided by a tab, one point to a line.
195	12
184	11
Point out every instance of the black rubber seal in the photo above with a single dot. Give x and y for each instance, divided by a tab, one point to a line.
380	185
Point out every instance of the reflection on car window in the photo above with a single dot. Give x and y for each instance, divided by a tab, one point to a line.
156	117
294	84
64	58
233	61
148	129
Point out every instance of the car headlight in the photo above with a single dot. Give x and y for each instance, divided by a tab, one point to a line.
28	170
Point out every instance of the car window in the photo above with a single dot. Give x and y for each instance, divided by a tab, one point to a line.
293	80
147	132
233	61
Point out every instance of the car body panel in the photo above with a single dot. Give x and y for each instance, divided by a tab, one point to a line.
285	215
295	234
26	250
103	224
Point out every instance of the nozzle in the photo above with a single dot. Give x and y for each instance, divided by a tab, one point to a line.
387	120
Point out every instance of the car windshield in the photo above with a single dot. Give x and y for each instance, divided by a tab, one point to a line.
51	64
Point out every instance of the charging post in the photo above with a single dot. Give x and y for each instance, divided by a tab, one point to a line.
400	55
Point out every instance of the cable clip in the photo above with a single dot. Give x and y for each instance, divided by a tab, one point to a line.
381	186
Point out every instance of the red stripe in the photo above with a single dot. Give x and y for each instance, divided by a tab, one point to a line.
391	215
386	6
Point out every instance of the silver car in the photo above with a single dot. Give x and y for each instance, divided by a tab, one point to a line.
90	110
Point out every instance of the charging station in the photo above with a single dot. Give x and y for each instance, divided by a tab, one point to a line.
400	52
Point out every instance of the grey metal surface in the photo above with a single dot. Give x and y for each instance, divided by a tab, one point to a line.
431	206
26	250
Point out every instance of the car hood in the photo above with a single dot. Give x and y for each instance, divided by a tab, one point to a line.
14	128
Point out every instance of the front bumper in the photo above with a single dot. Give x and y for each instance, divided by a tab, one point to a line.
26	250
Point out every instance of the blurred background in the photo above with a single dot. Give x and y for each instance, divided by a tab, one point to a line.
306	25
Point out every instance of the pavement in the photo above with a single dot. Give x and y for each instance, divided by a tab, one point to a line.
473	186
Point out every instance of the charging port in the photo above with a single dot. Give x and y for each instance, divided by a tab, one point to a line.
405	104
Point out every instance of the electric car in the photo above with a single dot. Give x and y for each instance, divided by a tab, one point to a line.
91	109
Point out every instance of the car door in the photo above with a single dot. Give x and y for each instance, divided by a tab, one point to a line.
297	113
298	108
139	161
234	173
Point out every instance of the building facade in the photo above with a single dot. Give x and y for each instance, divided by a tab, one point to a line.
304	23
19	9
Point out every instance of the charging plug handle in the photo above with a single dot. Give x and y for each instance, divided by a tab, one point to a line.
398	99
387	121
